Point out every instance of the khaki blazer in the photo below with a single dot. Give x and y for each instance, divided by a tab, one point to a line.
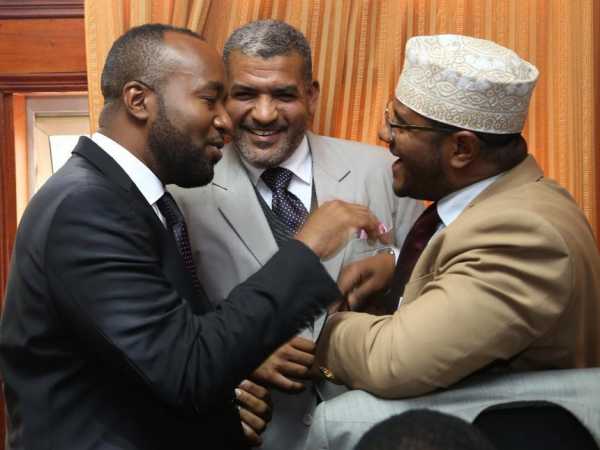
513	282
231	240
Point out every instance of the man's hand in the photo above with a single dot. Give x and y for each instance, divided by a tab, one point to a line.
334	223
364	279
288	363
254	403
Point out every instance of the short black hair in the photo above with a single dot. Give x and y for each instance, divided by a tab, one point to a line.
423	429
138	55
269	38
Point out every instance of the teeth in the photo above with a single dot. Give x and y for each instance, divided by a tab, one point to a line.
263	132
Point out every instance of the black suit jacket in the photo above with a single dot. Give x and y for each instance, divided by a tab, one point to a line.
103	344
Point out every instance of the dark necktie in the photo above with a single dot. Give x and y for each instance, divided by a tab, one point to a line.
416	241
285	205
176	223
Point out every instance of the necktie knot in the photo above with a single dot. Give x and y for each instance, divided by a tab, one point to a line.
169	209
277	178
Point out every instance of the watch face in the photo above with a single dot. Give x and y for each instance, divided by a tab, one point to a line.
328	374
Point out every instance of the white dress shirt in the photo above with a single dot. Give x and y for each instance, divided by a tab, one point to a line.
300	164
450	207
144	179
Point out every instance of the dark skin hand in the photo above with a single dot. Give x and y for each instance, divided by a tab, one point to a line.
362	282
288	364
334	223
254	404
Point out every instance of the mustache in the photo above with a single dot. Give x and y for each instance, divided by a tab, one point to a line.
250	126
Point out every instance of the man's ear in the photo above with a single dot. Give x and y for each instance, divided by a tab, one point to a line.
313	96
137	99
465	150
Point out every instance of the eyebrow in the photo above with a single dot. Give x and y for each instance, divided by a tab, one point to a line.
396	116
289	89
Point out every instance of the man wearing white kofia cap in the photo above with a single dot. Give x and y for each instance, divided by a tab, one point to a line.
502	270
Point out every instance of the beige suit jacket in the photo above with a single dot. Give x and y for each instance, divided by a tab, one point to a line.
514	281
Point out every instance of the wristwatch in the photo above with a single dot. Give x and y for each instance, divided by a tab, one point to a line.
327	374
388	250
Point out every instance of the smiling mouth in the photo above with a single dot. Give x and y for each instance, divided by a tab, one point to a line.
217	144
262	133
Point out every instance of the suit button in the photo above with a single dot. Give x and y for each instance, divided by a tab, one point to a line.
307	419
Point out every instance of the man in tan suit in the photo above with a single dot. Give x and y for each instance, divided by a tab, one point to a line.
510	278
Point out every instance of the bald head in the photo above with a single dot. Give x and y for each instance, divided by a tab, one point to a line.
141	54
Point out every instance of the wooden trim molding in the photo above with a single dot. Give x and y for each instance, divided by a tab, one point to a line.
40	9
8	195
44	82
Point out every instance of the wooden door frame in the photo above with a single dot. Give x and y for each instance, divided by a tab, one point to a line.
11	84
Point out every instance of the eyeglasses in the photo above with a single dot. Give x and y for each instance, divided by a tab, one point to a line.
391	123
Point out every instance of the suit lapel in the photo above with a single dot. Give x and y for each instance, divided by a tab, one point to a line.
331	178
236	200
171	260
527	171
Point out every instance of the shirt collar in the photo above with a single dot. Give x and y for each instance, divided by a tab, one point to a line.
144	179
299	163
450	207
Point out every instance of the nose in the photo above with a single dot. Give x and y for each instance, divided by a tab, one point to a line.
385	133
264	110
222	121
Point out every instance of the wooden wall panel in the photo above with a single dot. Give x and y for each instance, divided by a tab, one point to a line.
8	197
40	9
42	45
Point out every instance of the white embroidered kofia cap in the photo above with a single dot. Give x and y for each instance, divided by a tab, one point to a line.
466	82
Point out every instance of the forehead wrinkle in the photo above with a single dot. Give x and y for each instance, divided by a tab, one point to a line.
258	67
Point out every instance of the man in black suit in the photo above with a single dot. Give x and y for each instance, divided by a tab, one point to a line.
107	340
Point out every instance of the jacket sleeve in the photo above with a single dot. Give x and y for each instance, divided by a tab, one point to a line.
104	271
502	287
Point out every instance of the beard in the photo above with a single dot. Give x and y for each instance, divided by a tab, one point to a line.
177	158
267	156
422	177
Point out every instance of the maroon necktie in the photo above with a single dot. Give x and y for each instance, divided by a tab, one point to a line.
286	205
176	223
416	241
